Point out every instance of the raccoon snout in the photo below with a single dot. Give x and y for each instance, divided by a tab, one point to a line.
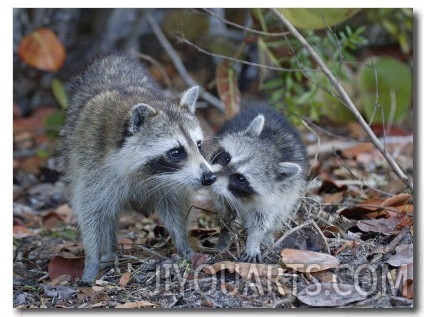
208	179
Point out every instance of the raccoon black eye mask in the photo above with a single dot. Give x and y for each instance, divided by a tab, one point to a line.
125	145
261	168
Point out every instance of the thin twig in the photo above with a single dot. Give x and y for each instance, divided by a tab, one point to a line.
157	64
245	28
178	63
152	252
392	245
233	59
347	101
330	147
285	235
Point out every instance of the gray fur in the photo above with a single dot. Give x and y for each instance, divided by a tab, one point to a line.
260	185
120	146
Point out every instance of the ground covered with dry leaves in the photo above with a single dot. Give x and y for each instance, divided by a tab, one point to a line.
349	245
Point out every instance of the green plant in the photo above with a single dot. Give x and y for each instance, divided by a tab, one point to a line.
304	91
301	92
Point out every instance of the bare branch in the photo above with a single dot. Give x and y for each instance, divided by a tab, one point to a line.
245	28
178	63
288	70
347	101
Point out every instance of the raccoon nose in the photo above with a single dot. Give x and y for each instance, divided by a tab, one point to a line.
208	179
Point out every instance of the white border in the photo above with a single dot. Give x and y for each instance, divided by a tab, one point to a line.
425	117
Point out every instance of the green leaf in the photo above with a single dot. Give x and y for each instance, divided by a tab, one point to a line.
317	18
54	122
392	90
59	93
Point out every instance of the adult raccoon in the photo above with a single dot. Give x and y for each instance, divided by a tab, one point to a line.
125	145
261	167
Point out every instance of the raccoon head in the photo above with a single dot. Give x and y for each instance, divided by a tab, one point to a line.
248	167
163	142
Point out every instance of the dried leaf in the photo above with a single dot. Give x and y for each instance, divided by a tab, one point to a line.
330	294
330	187
397	200
403	255
199	259
139	304
51	220
227	87
65	213
382	225
246	270
21	232
58	291
124	279
60	265
42	50
354	151
308	261
376	208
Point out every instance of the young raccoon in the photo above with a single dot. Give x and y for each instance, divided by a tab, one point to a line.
261	168
126	146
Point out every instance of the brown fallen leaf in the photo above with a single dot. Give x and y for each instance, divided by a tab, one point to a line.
384	226
65	212
377	208
60	265
199	259
42	50
330	294
51	220
354	151
125	278
138	304
403	255
246	270
21	232
330	187
308	261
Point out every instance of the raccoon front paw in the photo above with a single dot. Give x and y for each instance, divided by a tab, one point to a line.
187	254
252	258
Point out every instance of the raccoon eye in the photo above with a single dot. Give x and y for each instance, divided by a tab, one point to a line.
223	158
240	178
199	145
176	154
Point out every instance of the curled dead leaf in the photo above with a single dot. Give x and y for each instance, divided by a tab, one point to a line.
308	261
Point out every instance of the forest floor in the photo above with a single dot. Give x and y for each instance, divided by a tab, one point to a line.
349	245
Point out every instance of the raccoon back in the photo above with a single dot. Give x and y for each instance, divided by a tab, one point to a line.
102	97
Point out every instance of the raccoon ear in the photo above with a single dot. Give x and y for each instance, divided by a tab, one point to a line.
255	127
288	169
140	112
189	98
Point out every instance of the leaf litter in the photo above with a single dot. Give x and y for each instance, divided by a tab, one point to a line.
355	225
